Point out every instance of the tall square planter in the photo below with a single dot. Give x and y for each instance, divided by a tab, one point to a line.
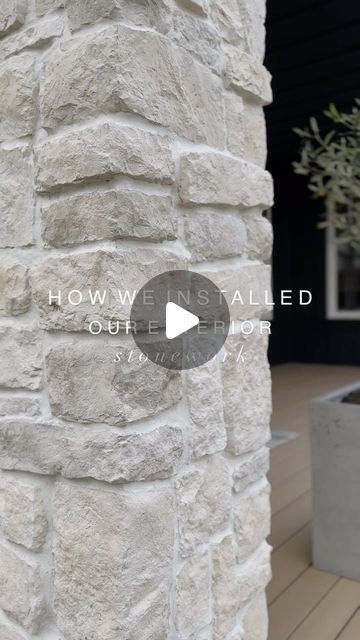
335	444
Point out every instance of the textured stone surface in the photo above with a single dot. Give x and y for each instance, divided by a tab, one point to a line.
18	84
140	125
204	397
46	6
198	37
109	215
213	235
34	37
158	81
253	13
22	514
259	242
103	454
209	178
250	469
225	588
233	585
12	15
193	596
245	74
86	384
196	5
20	590
20	358
251	522
228	20
16	405
109	271
247	394
14	287
8	632
143	13
204	503
123	540
16	198
255	143
256	619
241	23
101	152
245	289
235	123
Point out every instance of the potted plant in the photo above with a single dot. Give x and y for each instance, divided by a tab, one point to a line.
331	163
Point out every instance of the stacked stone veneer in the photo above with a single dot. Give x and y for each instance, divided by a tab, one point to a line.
134	503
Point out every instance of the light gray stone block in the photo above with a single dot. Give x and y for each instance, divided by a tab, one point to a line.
246	74
247	393
256	619
46	6
193	596
100	453
108	215
16	197
18	97
16	405
100	152
250	469
8	632
213	234
21	593
204	503
22	513
35	36
259	235
158	81
20	358
205	402
87	384
15	293
124	270
113	562
234	585
12	15
155	14
244	289
251	522
210	178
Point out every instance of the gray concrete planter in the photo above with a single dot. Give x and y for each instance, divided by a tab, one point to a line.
335	443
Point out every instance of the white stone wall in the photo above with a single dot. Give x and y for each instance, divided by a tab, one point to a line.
133	500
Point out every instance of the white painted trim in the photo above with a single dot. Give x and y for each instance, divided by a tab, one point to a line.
331	270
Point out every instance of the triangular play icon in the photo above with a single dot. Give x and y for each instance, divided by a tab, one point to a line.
178	320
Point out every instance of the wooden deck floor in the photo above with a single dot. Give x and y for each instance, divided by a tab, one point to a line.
304	604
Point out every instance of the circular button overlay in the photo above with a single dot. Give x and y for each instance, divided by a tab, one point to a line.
180	320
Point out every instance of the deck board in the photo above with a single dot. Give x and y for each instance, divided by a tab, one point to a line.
352	629
330	615
290	520
290	561
293	488
311	587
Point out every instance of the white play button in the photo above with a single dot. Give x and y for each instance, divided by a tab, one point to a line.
178	320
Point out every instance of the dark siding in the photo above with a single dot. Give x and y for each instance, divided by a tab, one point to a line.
313	52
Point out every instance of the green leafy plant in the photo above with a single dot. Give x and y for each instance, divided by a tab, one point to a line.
331	161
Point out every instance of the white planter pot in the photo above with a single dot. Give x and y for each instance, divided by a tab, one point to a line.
335	444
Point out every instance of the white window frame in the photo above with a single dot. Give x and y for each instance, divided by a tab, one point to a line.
332	310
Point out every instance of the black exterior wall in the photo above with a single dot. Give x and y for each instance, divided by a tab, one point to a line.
313	52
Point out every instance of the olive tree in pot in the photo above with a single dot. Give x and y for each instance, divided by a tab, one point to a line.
331	162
